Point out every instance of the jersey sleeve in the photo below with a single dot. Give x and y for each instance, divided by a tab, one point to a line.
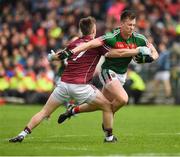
71	46
108	39
141	40
102	50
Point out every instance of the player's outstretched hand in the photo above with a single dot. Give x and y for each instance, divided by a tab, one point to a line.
60	55
51	56
64	54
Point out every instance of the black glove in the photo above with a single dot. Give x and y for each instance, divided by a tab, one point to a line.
140	58
66	53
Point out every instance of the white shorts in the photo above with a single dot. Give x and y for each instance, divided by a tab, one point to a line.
162	75
80	92
106	76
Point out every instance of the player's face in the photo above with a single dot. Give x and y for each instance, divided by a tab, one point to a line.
128	26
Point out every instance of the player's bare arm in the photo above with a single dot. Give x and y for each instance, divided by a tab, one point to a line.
66	53
88	45
117	53
154	53
150	53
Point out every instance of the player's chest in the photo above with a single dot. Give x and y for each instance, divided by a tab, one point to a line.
125	44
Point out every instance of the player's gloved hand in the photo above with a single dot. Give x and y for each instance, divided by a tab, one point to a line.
144	55
140	58
66	53
51	56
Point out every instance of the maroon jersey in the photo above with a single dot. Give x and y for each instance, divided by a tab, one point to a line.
81	66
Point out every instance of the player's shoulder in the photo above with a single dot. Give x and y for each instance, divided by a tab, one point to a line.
112	34
75	42
139	36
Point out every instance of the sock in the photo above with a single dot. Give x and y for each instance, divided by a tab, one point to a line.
75	110
25	131
108	132
68	105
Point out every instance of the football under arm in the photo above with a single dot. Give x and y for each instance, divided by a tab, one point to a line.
118	53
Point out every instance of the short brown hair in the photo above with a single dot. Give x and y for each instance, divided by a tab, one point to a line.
128	14
86	25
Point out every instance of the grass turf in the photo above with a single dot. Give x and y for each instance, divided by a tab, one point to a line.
141	130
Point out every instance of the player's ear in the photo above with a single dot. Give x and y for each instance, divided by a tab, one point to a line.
94	30
120	24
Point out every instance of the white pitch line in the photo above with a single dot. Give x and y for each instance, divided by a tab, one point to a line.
165	133
35	137
66	148
74	135
153	134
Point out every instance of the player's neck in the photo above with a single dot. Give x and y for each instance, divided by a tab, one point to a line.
92	36
125	36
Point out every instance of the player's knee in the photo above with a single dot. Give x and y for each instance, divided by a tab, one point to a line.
123	100
107	106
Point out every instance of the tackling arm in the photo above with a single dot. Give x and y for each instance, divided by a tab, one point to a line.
88	45
67	53
117	53
59	55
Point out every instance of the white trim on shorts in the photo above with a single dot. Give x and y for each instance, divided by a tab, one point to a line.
107	75
80	92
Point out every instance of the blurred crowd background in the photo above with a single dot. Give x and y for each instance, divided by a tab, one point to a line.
29	29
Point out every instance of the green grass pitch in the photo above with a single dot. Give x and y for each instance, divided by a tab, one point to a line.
141	130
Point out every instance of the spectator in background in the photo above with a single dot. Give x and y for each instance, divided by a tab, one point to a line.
31	28
113	14
162	74
4	81
134	86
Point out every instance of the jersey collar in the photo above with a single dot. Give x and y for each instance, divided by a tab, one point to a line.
87	37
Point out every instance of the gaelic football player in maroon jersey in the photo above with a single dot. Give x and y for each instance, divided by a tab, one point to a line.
74	83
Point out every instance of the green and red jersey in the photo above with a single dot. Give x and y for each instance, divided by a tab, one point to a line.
115	40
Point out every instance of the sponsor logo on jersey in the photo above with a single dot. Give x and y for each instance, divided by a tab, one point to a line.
120	45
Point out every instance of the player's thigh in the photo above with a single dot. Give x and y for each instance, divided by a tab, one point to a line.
117	91
51	105
100	102
108	94
82	92
113	85
58	97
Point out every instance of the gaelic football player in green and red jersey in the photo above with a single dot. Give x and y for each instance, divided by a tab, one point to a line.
122	42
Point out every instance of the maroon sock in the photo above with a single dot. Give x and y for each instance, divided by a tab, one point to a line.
108	132
27	130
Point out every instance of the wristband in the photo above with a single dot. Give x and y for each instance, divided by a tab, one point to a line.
66	53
